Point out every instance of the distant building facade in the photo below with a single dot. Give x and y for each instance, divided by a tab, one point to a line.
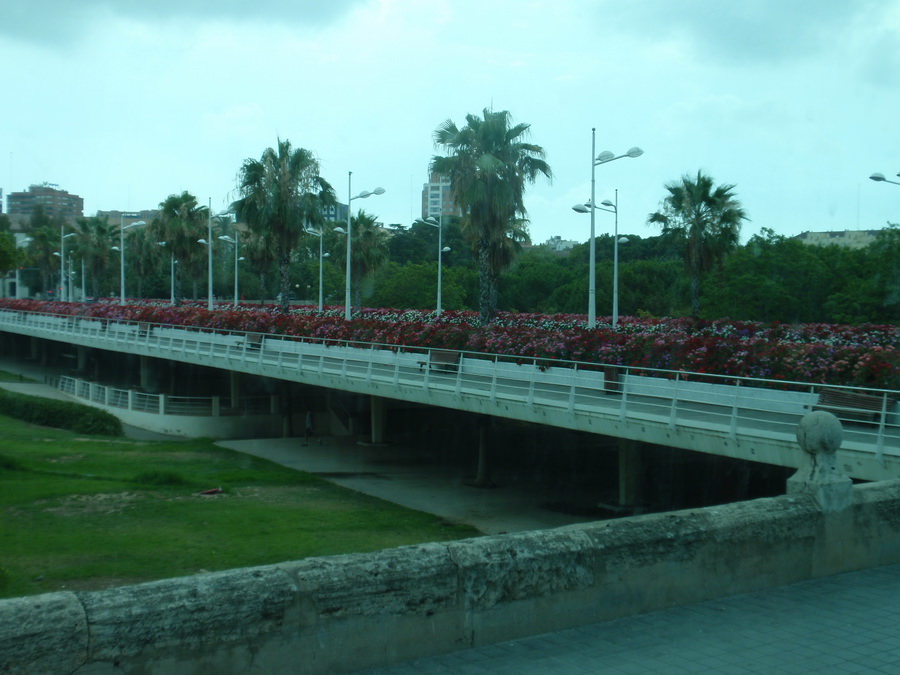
56	204
129	217
848	238
560	245
437	200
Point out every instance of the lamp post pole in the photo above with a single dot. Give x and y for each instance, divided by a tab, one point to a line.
348	309
347	305
615	316
209	258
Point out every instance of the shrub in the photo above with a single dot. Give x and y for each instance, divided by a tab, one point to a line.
82	419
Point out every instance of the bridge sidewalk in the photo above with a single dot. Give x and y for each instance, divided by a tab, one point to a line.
846	623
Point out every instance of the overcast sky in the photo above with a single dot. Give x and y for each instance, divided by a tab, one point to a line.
795	102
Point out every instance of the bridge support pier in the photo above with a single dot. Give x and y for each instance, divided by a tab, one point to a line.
378	418
629	472
144	368
234	386
82	360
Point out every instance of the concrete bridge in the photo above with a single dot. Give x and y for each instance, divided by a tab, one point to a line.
742	418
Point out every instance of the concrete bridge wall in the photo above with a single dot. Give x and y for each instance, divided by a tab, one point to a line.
342	613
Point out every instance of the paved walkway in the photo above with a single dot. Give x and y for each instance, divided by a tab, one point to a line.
849	623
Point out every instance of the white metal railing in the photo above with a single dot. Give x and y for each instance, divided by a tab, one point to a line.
162	404
733	407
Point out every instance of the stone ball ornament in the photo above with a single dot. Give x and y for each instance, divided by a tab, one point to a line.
820	433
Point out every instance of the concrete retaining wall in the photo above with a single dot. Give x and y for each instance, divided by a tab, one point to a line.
341	613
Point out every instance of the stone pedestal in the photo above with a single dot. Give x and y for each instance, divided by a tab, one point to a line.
820	435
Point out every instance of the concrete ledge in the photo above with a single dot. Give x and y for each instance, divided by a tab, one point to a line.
341	613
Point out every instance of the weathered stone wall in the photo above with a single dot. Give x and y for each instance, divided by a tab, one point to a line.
341	613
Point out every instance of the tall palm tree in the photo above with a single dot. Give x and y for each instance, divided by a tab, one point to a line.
706	220
281	194
370	251
181	222
488	164
94	241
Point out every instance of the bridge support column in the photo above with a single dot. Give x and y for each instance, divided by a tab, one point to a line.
234	381
378	418
82	353
146	383
629	472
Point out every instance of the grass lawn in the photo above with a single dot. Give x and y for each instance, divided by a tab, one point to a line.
79	512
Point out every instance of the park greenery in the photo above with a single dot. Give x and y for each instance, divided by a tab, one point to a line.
89	512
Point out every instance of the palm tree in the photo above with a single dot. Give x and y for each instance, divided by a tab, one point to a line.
181	222
94	241
488	165
706	220
281	194
370	250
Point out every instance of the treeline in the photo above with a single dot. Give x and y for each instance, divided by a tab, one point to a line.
770	278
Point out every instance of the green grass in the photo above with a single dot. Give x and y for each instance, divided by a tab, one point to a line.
81	512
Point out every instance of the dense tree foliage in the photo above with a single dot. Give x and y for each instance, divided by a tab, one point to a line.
706	220
488	165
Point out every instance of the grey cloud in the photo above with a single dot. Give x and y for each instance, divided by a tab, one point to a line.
63	21
748	30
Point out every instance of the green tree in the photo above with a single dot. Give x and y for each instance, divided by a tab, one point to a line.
369	251
7	251
181	222
488	164
281	194
44	241
705	220
94	241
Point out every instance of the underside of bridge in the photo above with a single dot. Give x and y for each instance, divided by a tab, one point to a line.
591	474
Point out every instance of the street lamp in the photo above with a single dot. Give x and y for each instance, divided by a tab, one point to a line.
441	249
612	207
322	256
362	195
122	228
225	237
879	178
603	158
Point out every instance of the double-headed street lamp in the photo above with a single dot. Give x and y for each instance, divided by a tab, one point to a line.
362	195
603	158
122	228
612	207
441	250
322	256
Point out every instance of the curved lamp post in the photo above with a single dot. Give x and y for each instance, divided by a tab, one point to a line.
362	195
603	158
122	228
